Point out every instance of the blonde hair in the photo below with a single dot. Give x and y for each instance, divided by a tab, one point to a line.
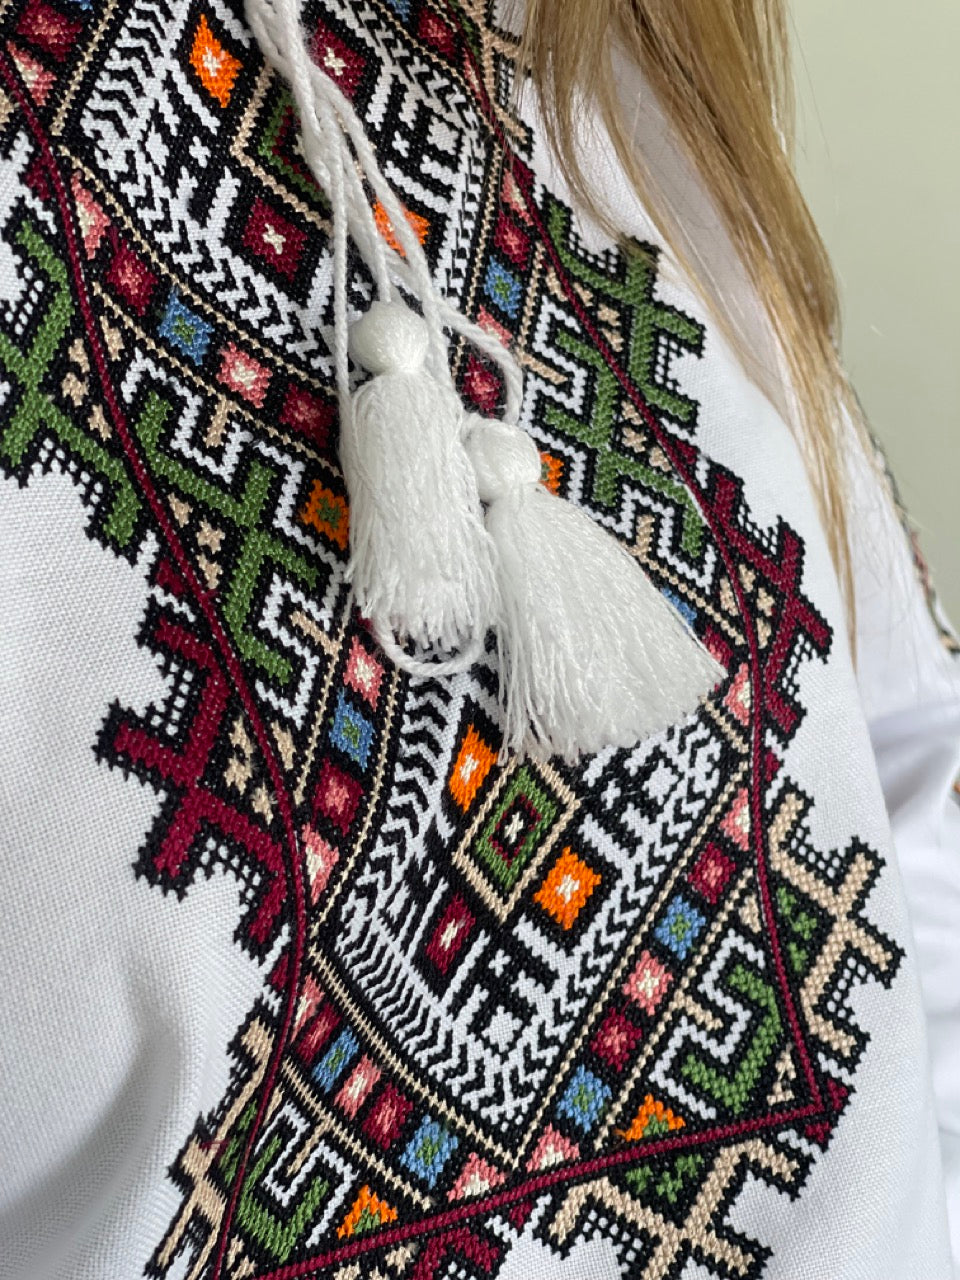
720	72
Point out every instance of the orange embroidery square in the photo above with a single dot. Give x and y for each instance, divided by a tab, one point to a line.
215	66
474	761
328	513
566	889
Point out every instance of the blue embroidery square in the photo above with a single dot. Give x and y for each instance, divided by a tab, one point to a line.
584	1099
428	1151
184	329
503	287
352	732
680	927
336	1060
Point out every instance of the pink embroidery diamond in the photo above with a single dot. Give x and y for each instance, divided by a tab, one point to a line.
736	823
322	857
648	983
363	673
35	76
337	796
359	1083
737	700
307	1005
92	220
244	375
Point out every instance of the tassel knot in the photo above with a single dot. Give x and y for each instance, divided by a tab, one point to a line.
503	457
389	338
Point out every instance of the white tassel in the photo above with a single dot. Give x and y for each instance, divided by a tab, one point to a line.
591	653
421	561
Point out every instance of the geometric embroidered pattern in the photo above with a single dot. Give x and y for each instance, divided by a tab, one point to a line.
580	1001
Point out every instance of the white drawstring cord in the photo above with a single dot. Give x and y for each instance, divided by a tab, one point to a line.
330	129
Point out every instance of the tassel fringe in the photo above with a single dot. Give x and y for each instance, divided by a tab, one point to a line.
591	653
421	560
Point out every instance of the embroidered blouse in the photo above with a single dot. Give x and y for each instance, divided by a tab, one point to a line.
299	980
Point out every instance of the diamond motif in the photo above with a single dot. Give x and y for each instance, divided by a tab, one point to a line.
357	1087
337	796
419	224
215	66
680	927
387	1117
363	672
450	935
274	238
429	1150
335	1061
352	732
239	372
322	857
514	830
342	64
615	1040
565	891
184	329
327	512
584	1099
648	983
132	279
712	873
474	761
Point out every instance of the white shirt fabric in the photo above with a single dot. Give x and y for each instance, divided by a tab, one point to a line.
120	1001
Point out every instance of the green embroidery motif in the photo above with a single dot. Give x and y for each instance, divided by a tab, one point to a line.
267	1228
33	415
734	1089
277	1234
646	324
258	547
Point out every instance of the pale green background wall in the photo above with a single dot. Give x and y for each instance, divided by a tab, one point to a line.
879	161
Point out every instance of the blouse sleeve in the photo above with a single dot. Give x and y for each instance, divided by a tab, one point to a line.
908	662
